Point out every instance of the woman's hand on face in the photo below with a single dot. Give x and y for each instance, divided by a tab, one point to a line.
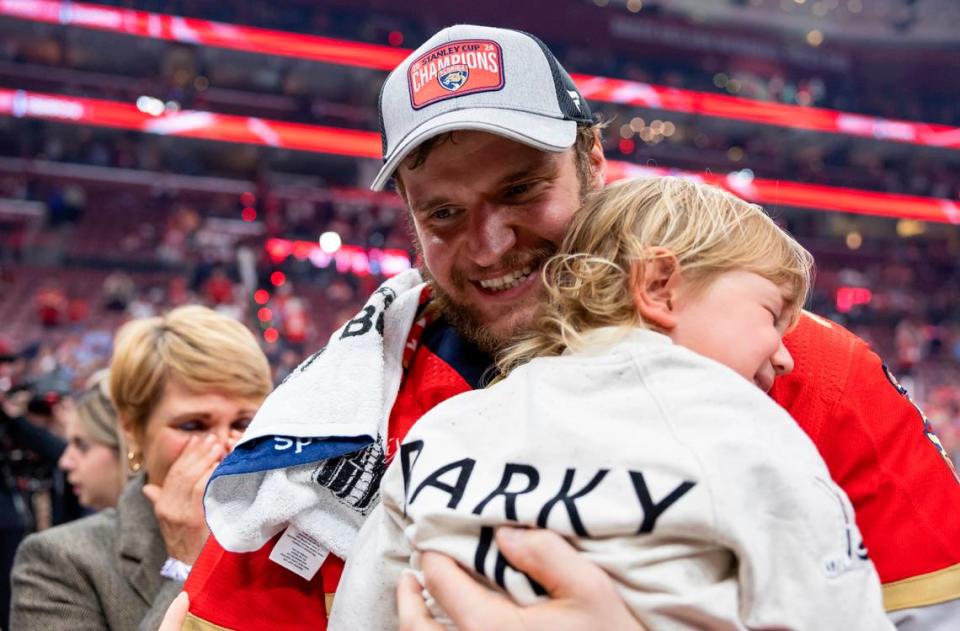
178	504
583	597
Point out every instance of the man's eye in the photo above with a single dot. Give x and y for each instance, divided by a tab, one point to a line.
242	424
191	426
441	214
518	190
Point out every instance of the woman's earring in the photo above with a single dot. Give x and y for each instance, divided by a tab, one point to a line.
134	461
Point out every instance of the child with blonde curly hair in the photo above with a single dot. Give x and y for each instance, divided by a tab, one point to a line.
633	420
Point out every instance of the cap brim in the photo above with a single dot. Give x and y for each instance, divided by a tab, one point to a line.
541	132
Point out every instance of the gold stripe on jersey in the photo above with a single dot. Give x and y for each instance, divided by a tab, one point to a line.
193	623
920	591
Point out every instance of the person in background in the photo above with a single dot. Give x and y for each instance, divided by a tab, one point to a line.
91	460
185	386
17	434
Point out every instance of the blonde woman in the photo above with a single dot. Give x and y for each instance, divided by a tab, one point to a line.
634	422
92	460
185	386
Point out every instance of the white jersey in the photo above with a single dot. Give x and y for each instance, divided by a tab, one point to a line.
700	496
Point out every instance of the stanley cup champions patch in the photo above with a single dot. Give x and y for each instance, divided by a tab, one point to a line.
454	69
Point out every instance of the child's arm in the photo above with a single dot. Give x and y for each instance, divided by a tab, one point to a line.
800	554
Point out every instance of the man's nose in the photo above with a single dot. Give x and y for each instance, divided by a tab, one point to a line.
491	235
782	361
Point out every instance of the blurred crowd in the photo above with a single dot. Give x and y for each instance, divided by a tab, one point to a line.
204	78
186	73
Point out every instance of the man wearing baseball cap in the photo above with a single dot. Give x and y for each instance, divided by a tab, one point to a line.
538	106
492	148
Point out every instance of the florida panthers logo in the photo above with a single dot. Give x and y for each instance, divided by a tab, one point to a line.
454	78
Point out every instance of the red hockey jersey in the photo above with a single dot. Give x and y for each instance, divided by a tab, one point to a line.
881	450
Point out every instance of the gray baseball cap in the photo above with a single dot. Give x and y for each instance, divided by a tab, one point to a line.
476	77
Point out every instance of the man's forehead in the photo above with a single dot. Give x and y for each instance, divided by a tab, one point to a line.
484	155
441	190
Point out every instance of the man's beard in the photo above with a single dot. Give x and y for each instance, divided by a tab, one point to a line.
466	320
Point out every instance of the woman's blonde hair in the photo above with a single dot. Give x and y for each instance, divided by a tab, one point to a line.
710	231
194	345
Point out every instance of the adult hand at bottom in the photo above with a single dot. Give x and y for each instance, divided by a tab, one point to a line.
176	613
583	597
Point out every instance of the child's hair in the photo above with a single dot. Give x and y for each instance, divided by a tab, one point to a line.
709	231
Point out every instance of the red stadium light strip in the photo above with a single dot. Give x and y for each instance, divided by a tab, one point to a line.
205	32
774	193
778	114
352	259
365	144
191	124
343	52
850	297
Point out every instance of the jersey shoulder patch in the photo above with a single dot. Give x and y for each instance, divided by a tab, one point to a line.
927	425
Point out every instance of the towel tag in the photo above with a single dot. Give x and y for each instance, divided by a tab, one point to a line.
299	552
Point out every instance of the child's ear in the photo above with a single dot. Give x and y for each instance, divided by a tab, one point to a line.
598	164
655	283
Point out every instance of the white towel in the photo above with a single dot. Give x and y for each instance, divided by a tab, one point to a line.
313	455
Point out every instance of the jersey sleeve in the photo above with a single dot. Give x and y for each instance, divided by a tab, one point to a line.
882	451
790	526
887	456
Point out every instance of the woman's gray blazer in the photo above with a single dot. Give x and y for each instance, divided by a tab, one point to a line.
99	572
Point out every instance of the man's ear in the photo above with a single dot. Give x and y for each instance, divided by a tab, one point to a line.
598	164
655	284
